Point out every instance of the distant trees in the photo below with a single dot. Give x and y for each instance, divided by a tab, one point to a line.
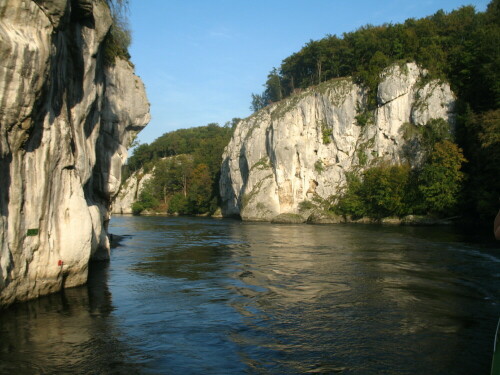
461	46
186	169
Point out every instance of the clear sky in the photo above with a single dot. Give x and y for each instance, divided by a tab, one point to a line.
201	59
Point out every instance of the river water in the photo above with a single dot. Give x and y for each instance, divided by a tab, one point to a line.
206	296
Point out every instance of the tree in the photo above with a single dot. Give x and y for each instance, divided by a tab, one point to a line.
441	178
146	201
258	102
384	189
200	191
350	202
274	90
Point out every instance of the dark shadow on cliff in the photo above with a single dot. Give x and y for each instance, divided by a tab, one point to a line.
5	176
244	171
96	189
5	162
64	87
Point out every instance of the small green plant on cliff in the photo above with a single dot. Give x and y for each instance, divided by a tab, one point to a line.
326	133
263	163
119	36
365	117
319	167
362	157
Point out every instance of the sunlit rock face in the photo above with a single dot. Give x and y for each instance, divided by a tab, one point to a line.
130	191
66	121
303	146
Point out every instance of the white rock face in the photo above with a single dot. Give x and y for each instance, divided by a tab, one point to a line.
129	192
65	123
302	147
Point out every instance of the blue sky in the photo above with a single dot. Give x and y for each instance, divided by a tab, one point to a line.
201	59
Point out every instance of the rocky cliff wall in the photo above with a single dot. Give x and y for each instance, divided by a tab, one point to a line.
129	192
302	147
66	121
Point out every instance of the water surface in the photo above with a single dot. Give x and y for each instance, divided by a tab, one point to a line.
206	296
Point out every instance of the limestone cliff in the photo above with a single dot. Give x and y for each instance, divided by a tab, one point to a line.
129	192
66	121
302	147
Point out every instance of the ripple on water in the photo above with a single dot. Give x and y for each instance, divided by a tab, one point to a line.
194	295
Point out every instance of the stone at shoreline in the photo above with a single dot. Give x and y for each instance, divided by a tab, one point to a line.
320	217
288	218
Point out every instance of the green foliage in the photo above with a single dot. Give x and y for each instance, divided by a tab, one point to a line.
441	177
460	46
186	168
258	102
365	117
396	190
200	192
421	139
119	36
263	163
326	132
381	192
480	139
319	167
201	142
362	157
146	201
171	175
178	204
384	190
306	205
351	202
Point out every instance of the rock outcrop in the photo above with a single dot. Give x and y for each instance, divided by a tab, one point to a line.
301	148
66	120
130	191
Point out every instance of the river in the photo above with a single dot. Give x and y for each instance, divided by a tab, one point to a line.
206	296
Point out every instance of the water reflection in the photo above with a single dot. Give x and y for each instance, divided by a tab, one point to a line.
193	295
69	332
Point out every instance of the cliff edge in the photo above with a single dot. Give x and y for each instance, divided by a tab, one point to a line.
66	120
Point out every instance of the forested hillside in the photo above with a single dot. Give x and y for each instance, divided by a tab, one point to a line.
461	47
185	166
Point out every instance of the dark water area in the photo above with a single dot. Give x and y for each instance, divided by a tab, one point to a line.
205	296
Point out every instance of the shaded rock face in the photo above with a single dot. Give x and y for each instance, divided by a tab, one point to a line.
66	121
302	147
